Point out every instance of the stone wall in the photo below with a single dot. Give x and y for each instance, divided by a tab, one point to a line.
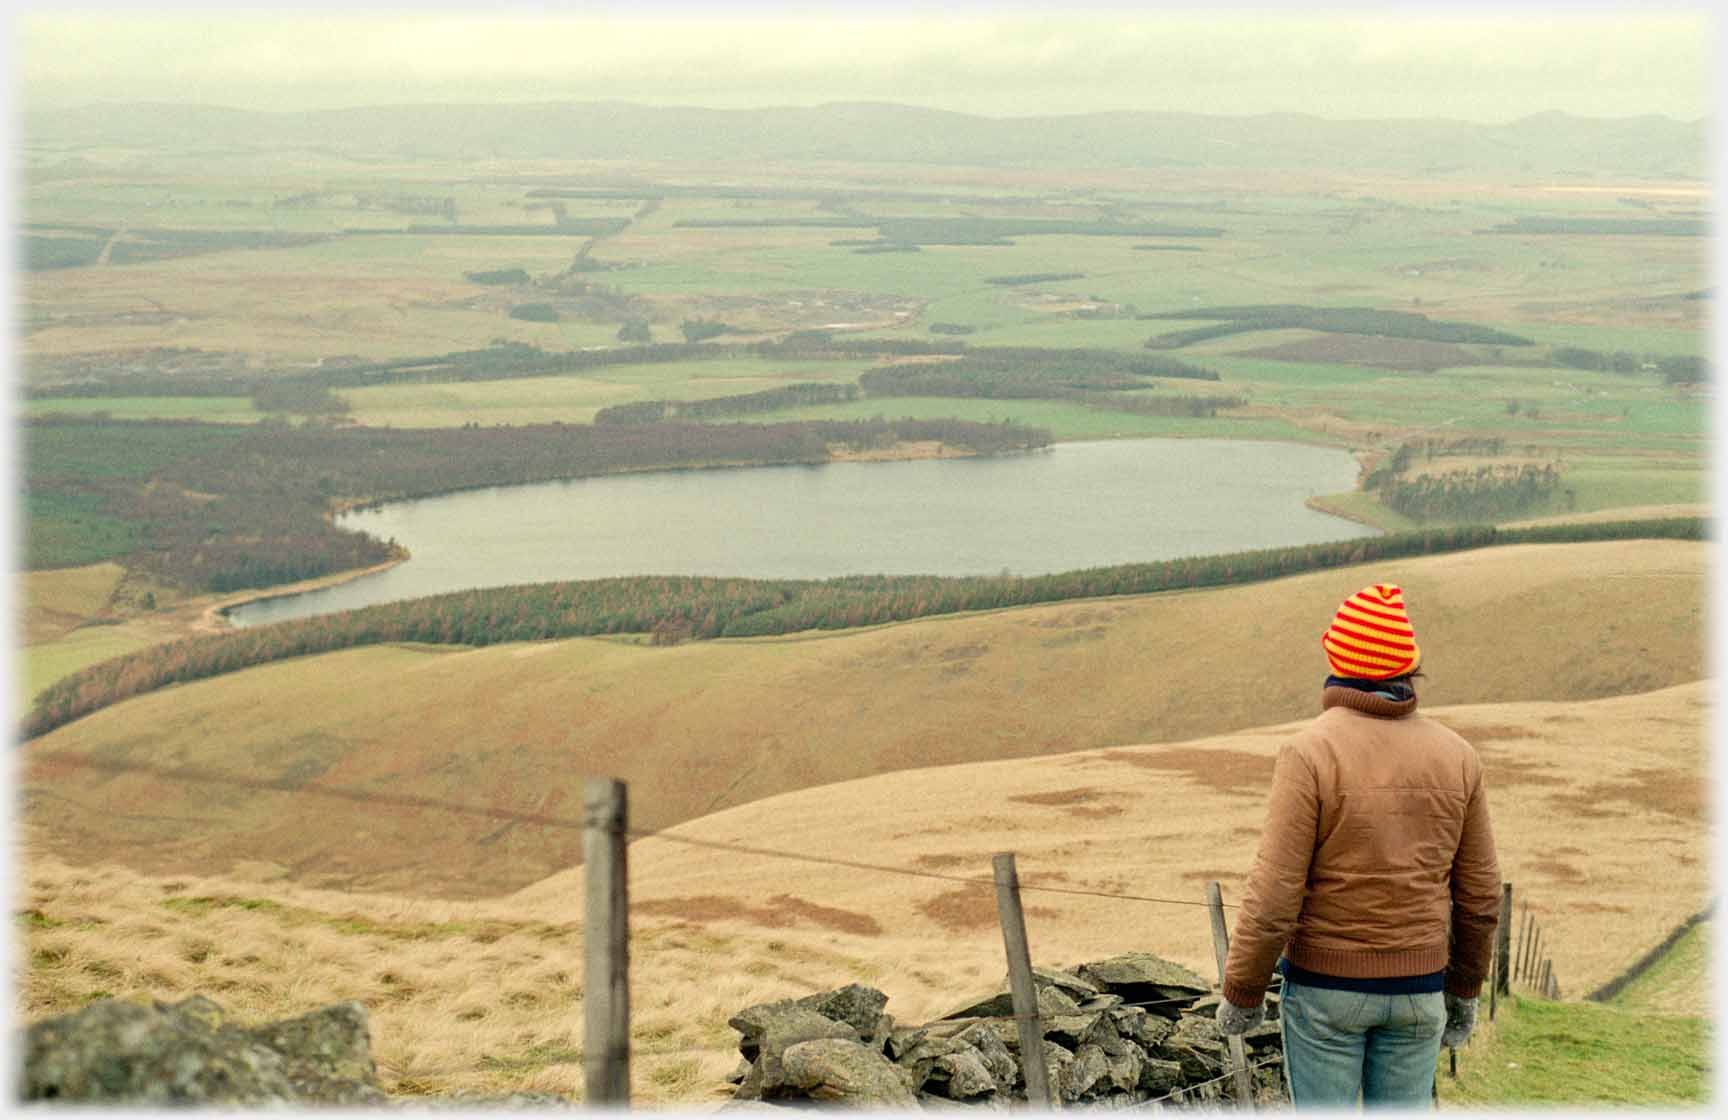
1129	1030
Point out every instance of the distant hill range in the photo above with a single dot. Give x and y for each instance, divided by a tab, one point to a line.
1546	143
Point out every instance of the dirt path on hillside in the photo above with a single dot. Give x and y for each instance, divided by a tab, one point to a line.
103	258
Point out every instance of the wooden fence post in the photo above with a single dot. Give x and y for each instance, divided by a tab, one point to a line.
1221	950
606	945
1523	931
1535	964
1503	950
1020	985
1542	981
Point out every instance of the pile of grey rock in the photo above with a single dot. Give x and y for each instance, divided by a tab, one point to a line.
152	1053
1130	1030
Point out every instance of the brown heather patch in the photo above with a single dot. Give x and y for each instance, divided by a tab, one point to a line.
967	909
1587	906
1503	768
783	910
1226	771
1066	796
1664	791
948	860
1556	869
1386	353
1098	812
1221	876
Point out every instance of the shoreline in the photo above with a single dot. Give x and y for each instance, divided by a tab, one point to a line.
213	619
1320	504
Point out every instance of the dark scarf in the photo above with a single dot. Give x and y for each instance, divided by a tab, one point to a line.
1398	690
1387	699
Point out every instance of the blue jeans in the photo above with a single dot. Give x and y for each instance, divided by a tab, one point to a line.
1340	1046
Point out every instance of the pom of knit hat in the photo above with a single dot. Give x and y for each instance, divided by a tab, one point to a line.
1371	637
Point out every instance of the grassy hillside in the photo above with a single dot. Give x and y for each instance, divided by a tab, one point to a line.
1598	816
1677	983
1577	1054
701	727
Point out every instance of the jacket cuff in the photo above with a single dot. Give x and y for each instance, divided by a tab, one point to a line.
1463	989
1245	998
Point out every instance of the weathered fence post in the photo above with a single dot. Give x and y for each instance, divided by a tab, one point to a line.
1523	931
1221	949
1542	981
1504	954
1020	985
606	945
1502	950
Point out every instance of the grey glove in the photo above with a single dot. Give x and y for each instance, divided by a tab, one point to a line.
1235	1020
1460	1020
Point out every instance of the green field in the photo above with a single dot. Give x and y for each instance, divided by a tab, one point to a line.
1545	1053
1313	241
1679	979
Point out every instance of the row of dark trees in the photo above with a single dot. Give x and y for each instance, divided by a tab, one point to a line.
1340	320
298	398
497	276
1636	227
1395	464
1675	369
1497	490
694	607
742	404
1033	278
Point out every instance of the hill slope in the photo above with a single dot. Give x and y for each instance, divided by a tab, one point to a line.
701	727
1598	812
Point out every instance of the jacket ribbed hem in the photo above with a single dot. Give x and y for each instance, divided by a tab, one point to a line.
1361	965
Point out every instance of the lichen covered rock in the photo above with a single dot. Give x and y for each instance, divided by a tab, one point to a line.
155	1053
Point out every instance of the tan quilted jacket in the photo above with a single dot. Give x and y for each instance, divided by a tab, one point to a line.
1377	857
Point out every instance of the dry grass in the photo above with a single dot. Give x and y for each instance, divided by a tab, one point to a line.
487	994
55	602
461	996
706	726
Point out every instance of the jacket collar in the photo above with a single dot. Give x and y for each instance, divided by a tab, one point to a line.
1341	694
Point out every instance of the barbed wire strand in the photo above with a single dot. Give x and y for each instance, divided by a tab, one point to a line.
200	776
857	865
1270	1059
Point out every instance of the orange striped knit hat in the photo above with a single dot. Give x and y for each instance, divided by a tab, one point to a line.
1371	637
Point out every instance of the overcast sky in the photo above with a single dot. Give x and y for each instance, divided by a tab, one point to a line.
1003	60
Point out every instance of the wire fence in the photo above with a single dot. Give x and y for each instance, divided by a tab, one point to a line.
1527	966
203	776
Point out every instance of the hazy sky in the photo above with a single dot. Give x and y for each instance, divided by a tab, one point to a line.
1476	63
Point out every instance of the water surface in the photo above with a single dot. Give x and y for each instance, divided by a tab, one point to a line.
1073	505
